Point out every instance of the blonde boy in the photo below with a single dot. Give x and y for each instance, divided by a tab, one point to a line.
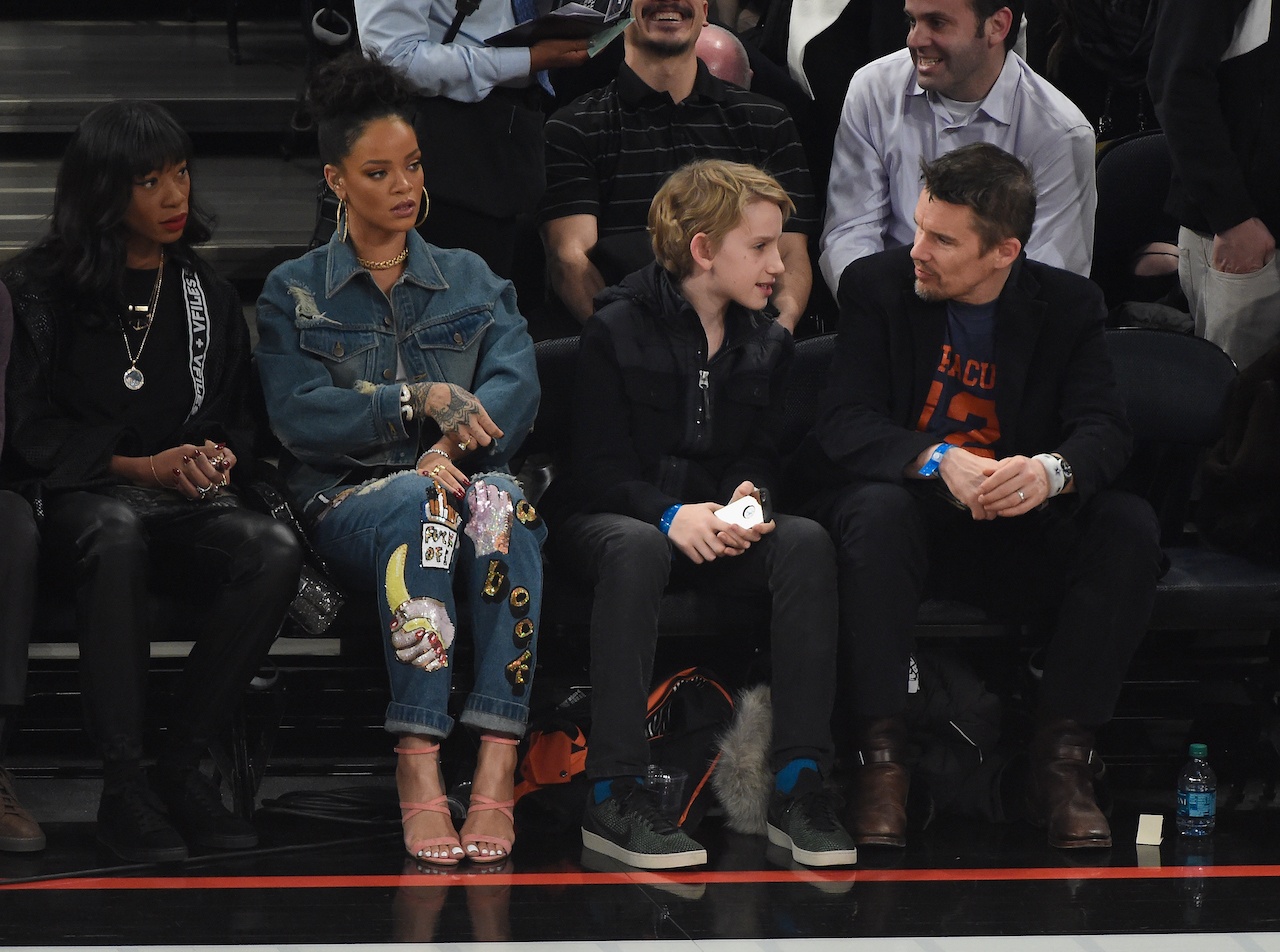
680	386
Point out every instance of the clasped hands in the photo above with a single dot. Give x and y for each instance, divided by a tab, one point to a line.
989	488
197	472
465	427
697	533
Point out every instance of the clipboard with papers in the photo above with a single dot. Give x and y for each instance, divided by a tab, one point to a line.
566	20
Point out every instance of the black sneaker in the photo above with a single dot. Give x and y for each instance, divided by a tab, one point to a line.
132	824
628	826
196	809
804	821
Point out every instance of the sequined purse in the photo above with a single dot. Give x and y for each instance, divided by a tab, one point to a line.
318	600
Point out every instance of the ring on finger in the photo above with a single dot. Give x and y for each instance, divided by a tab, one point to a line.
464	444
1022	495
205	491
436	471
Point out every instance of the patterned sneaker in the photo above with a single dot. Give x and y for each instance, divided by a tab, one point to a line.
804	822
628	826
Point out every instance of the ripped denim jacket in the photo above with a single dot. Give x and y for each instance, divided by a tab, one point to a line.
328	349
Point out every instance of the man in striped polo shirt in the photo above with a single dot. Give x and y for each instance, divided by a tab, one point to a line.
609	151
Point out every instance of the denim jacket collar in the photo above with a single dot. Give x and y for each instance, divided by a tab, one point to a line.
420	268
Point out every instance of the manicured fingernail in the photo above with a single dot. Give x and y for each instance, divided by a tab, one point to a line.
465	481
185	459
177	472
459	493
220	446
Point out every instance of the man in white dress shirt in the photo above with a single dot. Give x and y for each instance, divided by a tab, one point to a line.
957	82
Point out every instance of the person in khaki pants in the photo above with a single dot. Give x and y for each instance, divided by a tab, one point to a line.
1214	86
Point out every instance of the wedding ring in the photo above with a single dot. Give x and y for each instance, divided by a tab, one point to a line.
1022	495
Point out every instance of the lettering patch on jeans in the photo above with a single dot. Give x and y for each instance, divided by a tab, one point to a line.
519	673
439	531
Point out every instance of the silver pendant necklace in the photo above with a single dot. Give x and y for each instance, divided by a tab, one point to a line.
133	378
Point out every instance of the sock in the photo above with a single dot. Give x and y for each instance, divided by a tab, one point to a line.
602	790
788	775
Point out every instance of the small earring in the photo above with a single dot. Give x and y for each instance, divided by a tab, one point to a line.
340	220
426	206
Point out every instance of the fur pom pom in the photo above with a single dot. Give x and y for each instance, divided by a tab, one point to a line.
742	779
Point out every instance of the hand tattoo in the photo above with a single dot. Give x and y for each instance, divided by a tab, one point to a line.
459	408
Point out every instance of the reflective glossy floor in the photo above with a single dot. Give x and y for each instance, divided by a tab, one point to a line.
330	883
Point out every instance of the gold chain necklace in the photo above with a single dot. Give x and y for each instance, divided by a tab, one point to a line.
383	265
133	378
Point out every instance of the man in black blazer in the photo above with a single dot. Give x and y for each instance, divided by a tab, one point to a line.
967	438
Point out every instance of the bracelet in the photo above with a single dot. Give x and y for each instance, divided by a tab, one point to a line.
931	465
434	449
152	461
1053	469
665	522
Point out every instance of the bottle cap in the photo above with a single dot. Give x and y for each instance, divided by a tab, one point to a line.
1199	751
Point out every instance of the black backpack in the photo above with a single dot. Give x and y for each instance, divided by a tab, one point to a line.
687	714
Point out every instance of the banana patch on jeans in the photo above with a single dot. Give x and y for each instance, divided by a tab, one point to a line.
489	525
439	529
527	515
496	582
518	673
421	631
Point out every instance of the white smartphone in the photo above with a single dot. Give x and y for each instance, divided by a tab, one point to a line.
745	512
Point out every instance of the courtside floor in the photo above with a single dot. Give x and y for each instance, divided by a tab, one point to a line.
961	885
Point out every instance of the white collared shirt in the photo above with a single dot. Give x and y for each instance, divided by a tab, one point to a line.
406	34
889	124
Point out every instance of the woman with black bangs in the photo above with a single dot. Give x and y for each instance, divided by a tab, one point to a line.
133	412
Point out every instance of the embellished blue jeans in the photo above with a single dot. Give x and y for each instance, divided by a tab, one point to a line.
416	546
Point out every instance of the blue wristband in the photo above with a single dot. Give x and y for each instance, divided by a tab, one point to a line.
665	522
931	466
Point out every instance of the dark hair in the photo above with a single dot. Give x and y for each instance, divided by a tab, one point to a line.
985	9
347	94
991	182
83	254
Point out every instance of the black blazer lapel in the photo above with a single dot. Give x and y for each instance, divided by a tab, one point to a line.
1019	322
927	323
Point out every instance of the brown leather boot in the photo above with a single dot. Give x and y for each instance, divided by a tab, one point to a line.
19	832
1060	792
877	813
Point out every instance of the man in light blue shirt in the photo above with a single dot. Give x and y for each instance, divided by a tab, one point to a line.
956	83
480	122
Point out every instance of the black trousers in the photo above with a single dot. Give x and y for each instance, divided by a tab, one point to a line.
1088	572
18	554
236	569
629	563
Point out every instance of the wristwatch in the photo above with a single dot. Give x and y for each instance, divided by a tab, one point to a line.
1066	471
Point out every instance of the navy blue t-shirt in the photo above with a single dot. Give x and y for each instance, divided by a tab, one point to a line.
961	406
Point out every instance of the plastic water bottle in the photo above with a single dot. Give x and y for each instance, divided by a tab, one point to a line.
1197	795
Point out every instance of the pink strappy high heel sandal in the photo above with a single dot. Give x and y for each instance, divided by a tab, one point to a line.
479	803
420	849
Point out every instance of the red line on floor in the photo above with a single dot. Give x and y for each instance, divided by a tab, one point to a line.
645	878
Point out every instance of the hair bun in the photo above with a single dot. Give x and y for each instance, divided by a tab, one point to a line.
352	85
